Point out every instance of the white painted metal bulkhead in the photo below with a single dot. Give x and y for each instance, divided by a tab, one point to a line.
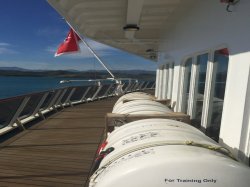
200	31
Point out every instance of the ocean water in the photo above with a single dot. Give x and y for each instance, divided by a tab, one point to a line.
11	86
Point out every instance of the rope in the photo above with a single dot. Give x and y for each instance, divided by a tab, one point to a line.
219	149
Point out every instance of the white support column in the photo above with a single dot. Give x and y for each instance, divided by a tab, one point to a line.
160	89
181	95
165	82
244	147
209	92
170	80
234	130
193	90
157	82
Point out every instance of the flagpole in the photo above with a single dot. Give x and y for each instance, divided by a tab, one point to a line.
91	50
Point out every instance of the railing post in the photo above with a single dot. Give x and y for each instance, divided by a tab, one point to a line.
54	99
145	86
58	101
134	87
39	105
18	112
69	97
140	86
116	91
97	91
127	88
107	91
84	94
153	86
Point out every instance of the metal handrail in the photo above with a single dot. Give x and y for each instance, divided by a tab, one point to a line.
51	100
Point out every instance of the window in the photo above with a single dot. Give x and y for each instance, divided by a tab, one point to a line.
202	90
220	72
186	85
202	61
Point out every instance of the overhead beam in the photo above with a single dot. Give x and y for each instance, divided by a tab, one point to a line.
133	15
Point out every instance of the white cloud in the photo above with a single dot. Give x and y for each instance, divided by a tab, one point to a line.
6	48
3	44
98	46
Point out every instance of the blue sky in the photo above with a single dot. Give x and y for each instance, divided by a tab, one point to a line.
31	31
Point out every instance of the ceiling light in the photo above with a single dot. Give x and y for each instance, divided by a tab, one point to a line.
131	27
149	50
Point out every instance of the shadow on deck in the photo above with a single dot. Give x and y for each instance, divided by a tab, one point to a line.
58	151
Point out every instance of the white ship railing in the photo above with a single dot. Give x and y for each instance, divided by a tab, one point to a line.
17	111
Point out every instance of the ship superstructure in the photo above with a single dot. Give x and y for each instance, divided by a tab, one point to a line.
202	51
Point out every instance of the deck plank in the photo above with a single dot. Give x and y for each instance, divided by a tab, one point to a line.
57	151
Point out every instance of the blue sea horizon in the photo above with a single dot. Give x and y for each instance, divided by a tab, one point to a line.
11	86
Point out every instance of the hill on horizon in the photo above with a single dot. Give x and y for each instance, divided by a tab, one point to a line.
93	74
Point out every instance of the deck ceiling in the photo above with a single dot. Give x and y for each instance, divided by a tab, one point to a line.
103	21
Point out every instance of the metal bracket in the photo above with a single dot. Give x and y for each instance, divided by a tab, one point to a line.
20	125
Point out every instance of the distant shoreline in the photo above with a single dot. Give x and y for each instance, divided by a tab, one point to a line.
137	74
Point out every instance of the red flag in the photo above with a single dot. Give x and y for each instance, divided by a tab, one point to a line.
69	45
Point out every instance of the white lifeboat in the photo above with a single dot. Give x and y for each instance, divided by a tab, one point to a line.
133	96
162	152
145	129
142	107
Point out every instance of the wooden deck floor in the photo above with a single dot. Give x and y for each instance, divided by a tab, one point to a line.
57	151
